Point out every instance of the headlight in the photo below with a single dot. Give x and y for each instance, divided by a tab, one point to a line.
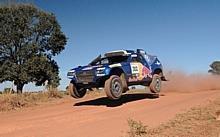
100	70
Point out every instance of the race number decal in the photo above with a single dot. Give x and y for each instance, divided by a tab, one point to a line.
135	68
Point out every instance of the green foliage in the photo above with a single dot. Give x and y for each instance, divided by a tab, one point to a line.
215	68
29	39
137	129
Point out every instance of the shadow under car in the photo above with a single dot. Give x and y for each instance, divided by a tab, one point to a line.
105	101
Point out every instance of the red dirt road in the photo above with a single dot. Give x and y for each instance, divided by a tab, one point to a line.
98	117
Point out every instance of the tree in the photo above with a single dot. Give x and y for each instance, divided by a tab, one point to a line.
215	68
29	39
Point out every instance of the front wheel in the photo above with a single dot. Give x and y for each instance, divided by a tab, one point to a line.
124	83
76	92
113	87
156	83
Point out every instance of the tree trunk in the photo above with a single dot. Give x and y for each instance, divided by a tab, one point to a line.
20	88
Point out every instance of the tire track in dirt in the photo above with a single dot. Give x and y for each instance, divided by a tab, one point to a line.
99	116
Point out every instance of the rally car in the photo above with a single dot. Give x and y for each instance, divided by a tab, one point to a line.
115	72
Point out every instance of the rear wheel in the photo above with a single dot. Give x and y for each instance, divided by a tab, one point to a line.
76	92
113	87
155	85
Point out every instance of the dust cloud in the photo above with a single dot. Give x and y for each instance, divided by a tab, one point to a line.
179	81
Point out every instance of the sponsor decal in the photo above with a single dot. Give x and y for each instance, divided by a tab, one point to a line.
145	72
135	68
139	72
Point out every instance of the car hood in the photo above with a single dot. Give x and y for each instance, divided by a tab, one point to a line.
85	68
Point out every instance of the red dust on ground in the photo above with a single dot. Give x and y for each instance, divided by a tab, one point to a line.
100	117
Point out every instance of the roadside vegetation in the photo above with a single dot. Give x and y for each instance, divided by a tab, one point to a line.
197	122
11	101
29	36
215	68
137	129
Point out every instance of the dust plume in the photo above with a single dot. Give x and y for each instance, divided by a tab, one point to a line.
183	82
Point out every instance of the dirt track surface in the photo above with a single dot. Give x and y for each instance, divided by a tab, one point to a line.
98	116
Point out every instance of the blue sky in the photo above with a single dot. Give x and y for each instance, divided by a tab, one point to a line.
184	34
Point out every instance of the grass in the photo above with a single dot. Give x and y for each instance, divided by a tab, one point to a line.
137	129
197	122
10	102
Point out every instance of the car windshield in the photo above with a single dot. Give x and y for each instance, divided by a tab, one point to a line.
112	60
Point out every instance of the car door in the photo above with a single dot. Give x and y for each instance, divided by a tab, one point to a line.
139	69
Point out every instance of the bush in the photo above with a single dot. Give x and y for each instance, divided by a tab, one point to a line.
6	90
54	93
215	68
16	101
137	129
12	102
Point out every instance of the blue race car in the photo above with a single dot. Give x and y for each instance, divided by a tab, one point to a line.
115	72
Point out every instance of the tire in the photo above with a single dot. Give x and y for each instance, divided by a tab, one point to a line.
155	86
124	83
76	93
113	87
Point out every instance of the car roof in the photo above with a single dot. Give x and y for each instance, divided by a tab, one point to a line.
118	53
